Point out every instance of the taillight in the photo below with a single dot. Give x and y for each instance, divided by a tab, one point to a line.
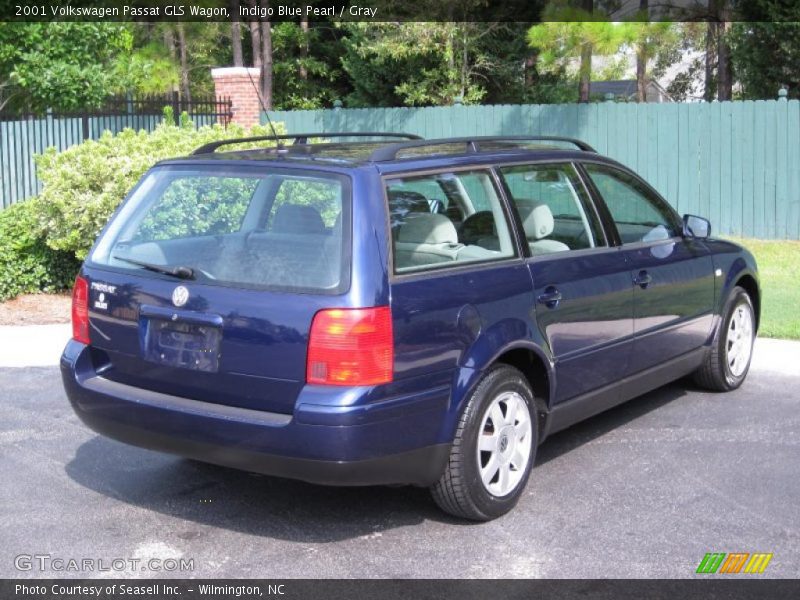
351	346
80	310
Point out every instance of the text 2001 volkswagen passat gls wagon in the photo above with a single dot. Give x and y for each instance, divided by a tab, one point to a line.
398	311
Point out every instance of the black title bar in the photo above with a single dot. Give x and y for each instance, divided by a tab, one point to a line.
365	10
231	589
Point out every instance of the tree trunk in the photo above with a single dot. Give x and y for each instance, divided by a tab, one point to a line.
169	41
585	73
641	60
185	91
304	47
585	70
641	75
711	61
255	37
266	64
236	35
724	74
464	62
530	71
721	13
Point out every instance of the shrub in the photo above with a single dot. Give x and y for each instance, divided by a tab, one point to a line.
83	185
27	264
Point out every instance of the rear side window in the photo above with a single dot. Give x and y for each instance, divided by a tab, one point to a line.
464	223
553	206
286	230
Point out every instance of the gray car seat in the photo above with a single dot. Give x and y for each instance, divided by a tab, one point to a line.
538	223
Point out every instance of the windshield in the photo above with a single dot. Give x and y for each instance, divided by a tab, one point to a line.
281	229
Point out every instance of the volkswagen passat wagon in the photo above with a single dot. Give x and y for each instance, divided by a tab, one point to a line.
388	310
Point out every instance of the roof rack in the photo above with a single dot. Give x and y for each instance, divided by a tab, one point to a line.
472	144
301	138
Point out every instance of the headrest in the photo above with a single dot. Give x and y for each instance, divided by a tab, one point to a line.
411	201
478	225
427	228
297	218
537	220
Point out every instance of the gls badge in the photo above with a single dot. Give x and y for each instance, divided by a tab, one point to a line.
180	296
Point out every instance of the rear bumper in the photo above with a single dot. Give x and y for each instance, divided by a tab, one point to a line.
381	444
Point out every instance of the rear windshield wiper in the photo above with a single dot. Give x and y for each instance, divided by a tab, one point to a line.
180	272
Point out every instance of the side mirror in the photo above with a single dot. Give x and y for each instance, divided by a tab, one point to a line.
696	227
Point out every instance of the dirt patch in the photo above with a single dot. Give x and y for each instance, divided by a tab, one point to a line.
36	309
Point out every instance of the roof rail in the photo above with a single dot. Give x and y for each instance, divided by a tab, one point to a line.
300	138
472	144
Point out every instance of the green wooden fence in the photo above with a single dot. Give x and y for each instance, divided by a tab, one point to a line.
737	163
22	137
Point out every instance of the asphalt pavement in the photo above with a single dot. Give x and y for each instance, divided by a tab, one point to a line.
643	490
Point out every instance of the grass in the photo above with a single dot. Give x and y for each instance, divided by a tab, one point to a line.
779	268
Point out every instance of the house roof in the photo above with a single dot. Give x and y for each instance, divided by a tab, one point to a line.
622	87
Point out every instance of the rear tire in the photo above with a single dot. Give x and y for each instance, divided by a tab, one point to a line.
728	361
493	450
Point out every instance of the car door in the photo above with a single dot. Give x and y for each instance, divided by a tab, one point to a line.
583	293
673	276
446	294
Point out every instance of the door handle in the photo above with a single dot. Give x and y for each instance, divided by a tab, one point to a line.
643	279
550	298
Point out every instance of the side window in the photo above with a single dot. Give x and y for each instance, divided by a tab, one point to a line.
438	197
479	198
553	207
639	215
426	234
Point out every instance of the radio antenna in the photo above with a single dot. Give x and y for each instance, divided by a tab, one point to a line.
278	143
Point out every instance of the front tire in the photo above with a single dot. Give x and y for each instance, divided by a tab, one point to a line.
493	450
728	361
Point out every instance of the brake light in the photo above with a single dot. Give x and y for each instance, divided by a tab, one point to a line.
351	347
80	310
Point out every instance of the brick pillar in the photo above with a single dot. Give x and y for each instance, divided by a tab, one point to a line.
236	84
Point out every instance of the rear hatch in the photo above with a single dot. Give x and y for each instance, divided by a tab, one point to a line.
206	282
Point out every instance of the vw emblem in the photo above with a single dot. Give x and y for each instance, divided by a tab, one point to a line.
180	296
503	443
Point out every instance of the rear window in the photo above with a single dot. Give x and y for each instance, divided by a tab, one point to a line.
283	229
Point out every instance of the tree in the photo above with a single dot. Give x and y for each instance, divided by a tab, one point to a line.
724	68
184	61
430	63
62	65
688	49
765	48
650	41
236	35
261	44
561	43
266	60
307	67
188	50
717	14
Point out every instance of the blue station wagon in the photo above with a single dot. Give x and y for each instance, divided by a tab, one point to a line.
381	309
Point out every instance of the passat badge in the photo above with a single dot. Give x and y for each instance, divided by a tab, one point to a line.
180	296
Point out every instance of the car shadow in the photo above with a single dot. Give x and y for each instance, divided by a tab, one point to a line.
250	503
584	432
266	506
